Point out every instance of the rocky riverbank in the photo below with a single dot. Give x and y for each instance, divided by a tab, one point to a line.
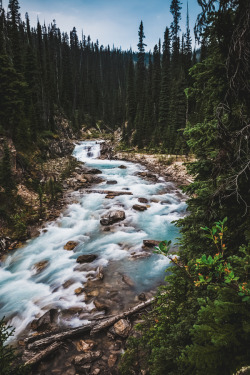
172	167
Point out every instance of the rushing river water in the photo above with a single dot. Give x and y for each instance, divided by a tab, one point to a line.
26	294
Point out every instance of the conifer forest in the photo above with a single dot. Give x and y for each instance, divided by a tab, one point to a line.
174	102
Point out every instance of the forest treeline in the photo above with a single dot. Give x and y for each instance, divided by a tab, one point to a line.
45	72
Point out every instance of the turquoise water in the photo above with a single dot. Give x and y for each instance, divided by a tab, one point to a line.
26	295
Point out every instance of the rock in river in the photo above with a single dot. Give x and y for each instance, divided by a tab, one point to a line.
150	243
94	171
70	245
143	200
40	266
86	258
112	217
139	207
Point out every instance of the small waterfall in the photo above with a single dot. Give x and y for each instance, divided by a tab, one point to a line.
90	150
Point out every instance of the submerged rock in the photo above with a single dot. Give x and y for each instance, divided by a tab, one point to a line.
127	280
122	166
112	217
139	207
68	283
111	182
40	266
86	258
70	245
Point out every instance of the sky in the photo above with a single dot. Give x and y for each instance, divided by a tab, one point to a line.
113	22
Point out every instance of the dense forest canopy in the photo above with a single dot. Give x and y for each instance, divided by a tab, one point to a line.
46	72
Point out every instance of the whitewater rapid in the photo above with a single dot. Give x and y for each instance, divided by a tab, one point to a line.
26	295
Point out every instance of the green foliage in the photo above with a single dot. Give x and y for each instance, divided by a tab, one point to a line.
201	319
8	358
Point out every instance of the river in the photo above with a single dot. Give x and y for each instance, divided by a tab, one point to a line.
26	294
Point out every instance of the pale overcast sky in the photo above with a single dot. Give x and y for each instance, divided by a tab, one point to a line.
110	21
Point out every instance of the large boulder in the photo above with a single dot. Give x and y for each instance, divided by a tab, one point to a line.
112	217
122	327
86	258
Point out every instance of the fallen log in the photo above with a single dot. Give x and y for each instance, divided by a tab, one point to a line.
93	327
59	336
108	192
109	322
43	354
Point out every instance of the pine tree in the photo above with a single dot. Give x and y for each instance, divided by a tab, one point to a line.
6	176
164	100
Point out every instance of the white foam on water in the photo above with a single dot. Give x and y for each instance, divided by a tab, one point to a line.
26	294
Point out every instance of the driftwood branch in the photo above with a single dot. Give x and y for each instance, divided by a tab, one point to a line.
60	336
44	353
107	323
93	327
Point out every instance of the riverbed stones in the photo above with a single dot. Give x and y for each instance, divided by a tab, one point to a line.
139	207
84	345
86	258
112	217
112	360
100	306
122	328
70	245
88	357
40	266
